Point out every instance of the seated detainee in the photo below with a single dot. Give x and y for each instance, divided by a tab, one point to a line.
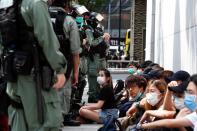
106	103
153	101
173	103
175	97
185	117
135	85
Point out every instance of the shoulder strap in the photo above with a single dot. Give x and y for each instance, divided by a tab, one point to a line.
58	16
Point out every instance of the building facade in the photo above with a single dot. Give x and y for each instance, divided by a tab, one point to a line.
171	34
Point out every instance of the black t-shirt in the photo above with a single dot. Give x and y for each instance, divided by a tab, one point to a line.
107	95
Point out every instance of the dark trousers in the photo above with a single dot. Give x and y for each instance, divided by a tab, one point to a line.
4	123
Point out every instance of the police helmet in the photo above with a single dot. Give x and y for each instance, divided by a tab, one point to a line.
78	10
94	19
60	3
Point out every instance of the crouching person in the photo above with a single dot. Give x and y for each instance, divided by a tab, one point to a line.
105	107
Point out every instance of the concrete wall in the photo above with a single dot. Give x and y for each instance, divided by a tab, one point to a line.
171	37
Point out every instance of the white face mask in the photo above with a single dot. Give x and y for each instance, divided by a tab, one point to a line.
101	80
179	103
139	72
152	98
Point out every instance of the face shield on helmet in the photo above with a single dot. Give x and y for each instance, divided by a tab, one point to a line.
99	17
78	10
94	19
6	3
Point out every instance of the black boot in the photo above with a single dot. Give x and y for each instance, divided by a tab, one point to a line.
80	88
68	121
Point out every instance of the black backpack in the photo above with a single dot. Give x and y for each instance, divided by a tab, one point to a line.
8	24
4	98
15	36
57	17
119	86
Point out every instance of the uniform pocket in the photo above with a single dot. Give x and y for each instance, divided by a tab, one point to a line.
53	114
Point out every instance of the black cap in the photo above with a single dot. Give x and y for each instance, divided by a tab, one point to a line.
145	64
180	88
154	74
180	75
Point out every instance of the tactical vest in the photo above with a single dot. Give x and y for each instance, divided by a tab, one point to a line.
100	49
58	16
17	41
14	31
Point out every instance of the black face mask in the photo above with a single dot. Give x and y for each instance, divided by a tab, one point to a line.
92	23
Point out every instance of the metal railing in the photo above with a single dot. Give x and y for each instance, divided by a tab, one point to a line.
119	63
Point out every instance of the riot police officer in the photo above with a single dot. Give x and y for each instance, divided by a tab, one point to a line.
68	35
36	45
98	46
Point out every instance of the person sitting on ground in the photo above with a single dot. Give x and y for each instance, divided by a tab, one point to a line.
153	101
178	77
188	115
174	99
135	86
177	86
173	103
106	103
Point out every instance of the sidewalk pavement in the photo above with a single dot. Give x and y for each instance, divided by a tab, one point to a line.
83	127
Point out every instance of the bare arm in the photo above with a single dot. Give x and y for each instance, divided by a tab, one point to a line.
168	104
168	123
158	114
133	109
94	106
76	61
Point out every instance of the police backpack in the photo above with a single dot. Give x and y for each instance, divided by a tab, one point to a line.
17	42
57	17
14	34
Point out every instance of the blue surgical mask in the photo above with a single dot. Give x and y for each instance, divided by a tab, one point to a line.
190	102
136	97
179	103
139	72
132	70
79	21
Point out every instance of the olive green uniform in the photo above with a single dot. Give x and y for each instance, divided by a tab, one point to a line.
35	14
71	32
93	67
